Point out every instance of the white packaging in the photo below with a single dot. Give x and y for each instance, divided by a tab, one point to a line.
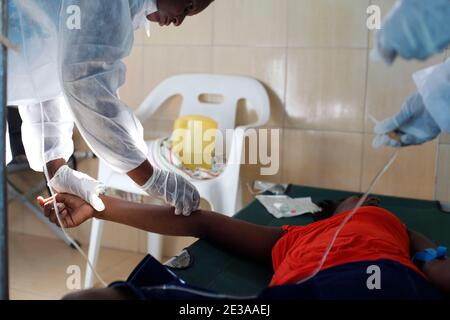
287	207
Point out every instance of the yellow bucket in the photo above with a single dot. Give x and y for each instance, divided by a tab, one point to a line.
193	140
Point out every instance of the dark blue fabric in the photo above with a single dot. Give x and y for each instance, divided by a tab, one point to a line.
349	282
152	281
148	278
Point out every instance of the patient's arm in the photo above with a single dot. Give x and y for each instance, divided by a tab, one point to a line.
437	271
251	240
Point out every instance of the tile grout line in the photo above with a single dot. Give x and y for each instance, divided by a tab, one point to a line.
213	43
255	46
285	91
365	113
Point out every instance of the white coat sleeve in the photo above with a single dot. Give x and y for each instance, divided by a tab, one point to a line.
433	84
57	124
92	71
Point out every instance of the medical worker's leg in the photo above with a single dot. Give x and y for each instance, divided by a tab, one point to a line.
15	132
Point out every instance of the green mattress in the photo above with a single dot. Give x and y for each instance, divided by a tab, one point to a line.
221	271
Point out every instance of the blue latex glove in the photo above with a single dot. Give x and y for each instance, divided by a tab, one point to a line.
414	125
415	29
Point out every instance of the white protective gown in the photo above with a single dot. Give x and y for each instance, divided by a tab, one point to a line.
433	84
70	56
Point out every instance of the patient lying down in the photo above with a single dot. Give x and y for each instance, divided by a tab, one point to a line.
374	240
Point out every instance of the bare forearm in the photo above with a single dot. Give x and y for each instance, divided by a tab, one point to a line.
245	238
151	218
418	242
437	271
54	165
141	174
248	239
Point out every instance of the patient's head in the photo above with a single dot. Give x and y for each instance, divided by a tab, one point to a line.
331	208
175	11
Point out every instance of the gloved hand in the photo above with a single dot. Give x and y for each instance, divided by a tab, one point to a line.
413	124
73	182
415	29
175	190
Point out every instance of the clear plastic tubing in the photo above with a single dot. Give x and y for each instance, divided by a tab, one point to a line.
355	210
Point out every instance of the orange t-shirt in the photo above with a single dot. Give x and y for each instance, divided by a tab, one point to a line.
371	234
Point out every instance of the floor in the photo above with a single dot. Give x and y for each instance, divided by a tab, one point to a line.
38	266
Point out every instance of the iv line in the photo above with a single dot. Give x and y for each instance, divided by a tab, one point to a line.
354	211
55	207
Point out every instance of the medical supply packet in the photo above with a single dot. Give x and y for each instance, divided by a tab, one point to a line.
282	206
264	186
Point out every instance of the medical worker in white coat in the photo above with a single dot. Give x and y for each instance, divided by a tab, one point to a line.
417	29
68	59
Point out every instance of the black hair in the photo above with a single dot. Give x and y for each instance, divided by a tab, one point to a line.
328	208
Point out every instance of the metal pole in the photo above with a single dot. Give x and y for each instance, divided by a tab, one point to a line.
4	279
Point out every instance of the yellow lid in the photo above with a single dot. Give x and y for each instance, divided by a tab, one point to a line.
193	139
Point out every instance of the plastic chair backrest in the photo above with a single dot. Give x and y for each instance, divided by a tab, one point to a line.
192	87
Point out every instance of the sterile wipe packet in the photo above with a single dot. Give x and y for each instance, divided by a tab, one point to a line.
287	207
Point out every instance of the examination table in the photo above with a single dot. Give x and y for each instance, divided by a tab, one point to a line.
221	271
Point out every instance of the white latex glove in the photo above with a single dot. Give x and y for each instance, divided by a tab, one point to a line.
414	29
413	124
175	190
79	184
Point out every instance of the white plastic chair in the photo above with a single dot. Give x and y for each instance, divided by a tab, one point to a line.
223	192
